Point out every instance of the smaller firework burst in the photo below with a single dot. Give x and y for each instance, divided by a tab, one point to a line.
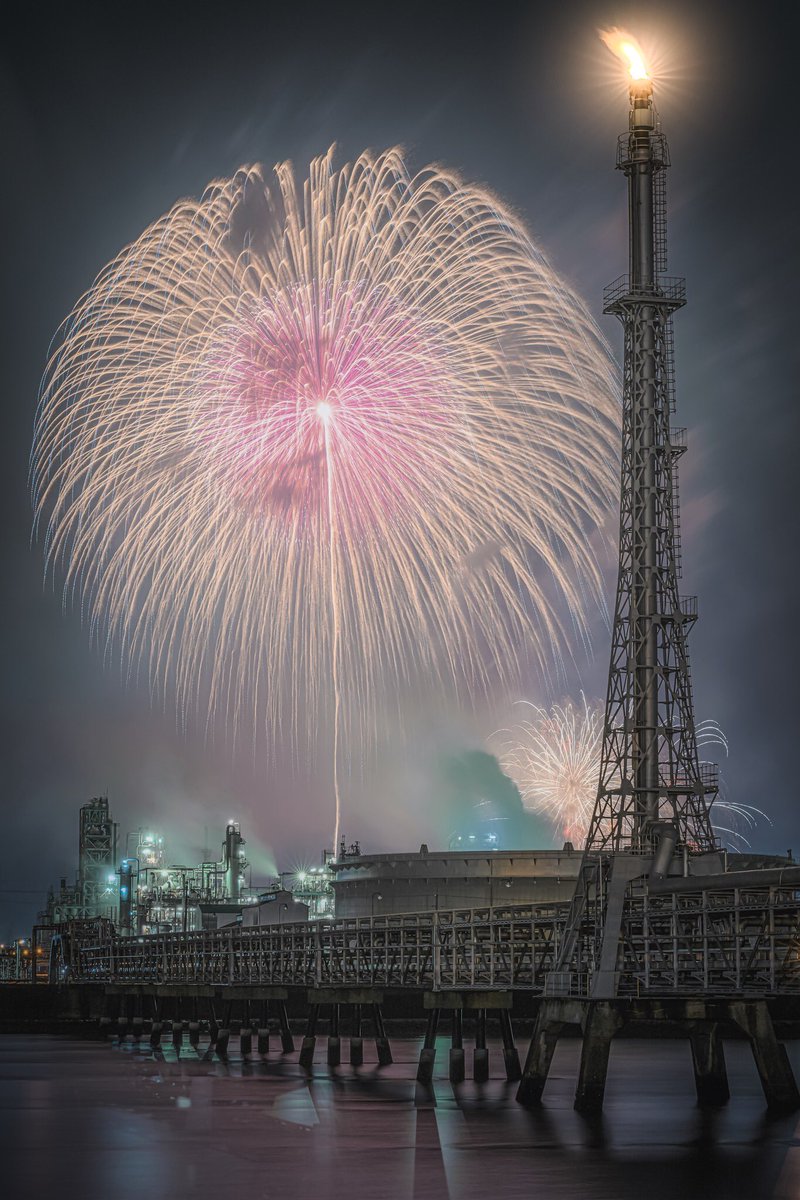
553	756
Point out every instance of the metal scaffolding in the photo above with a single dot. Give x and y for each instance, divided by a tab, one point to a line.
650	772
698	941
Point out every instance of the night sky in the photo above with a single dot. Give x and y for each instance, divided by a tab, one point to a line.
111	114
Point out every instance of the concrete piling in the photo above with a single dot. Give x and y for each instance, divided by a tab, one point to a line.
702	1020
262	1032
334	1040
708	1060
546	1032
601	1022
457	1048
310	1040
213	1024
382	1046
427	1055
287	1041
510	1052
772	1062
356	1040
480	1060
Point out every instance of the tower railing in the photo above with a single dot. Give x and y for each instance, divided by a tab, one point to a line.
670	288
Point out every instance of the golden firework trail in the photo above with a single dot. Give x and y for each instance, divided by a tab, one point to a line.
308	447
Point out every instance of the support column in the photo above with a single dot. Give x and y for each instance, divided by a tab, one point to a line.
602	1022
384	1050
194	1025
177	1026
122	1018
138	1020
356	1040
708	1059
246	1032
771	1059
457	1047
310	1040
105	1016
287	1041
510	1052
480	1061
157	1024
224	1032
213	1024
427	1055
262	1033
125	1017
334	1041
546	1032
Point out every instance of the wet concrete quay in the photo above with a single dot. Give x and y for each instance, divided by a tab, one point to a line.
110	1119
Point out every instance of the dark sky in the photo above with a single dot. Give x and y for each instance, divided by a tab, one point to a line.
111	113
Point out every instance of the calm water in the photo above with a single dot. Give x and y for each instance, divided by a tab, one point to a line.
84	1120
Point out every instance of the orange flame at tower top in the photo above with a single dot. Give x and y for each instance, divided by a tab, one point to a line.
626	47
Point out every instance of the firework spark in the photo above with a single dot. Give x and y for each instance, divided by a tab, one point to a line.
305	446
554	759
709	733
732	821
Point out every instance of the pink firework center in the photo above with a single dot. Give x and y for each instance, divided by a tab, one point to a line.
308	387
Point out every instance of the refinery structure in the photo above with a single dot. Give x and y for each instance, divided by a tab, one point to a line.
131	882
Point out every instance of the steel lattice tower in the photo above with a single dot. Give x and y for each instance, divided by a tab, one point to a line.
650	772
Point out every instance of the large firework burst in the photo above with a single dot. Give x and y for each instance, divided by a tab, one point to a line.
303	446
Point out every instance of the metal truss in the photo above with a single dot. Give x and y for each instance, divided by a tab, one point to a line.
650	771
736	941
704	942
480	948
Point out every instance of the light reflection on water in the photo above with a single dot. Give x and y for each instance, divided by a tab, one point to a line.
118	1122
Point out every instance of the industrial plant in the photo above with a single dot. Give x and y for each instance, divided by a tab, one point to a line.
141	892
130	882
